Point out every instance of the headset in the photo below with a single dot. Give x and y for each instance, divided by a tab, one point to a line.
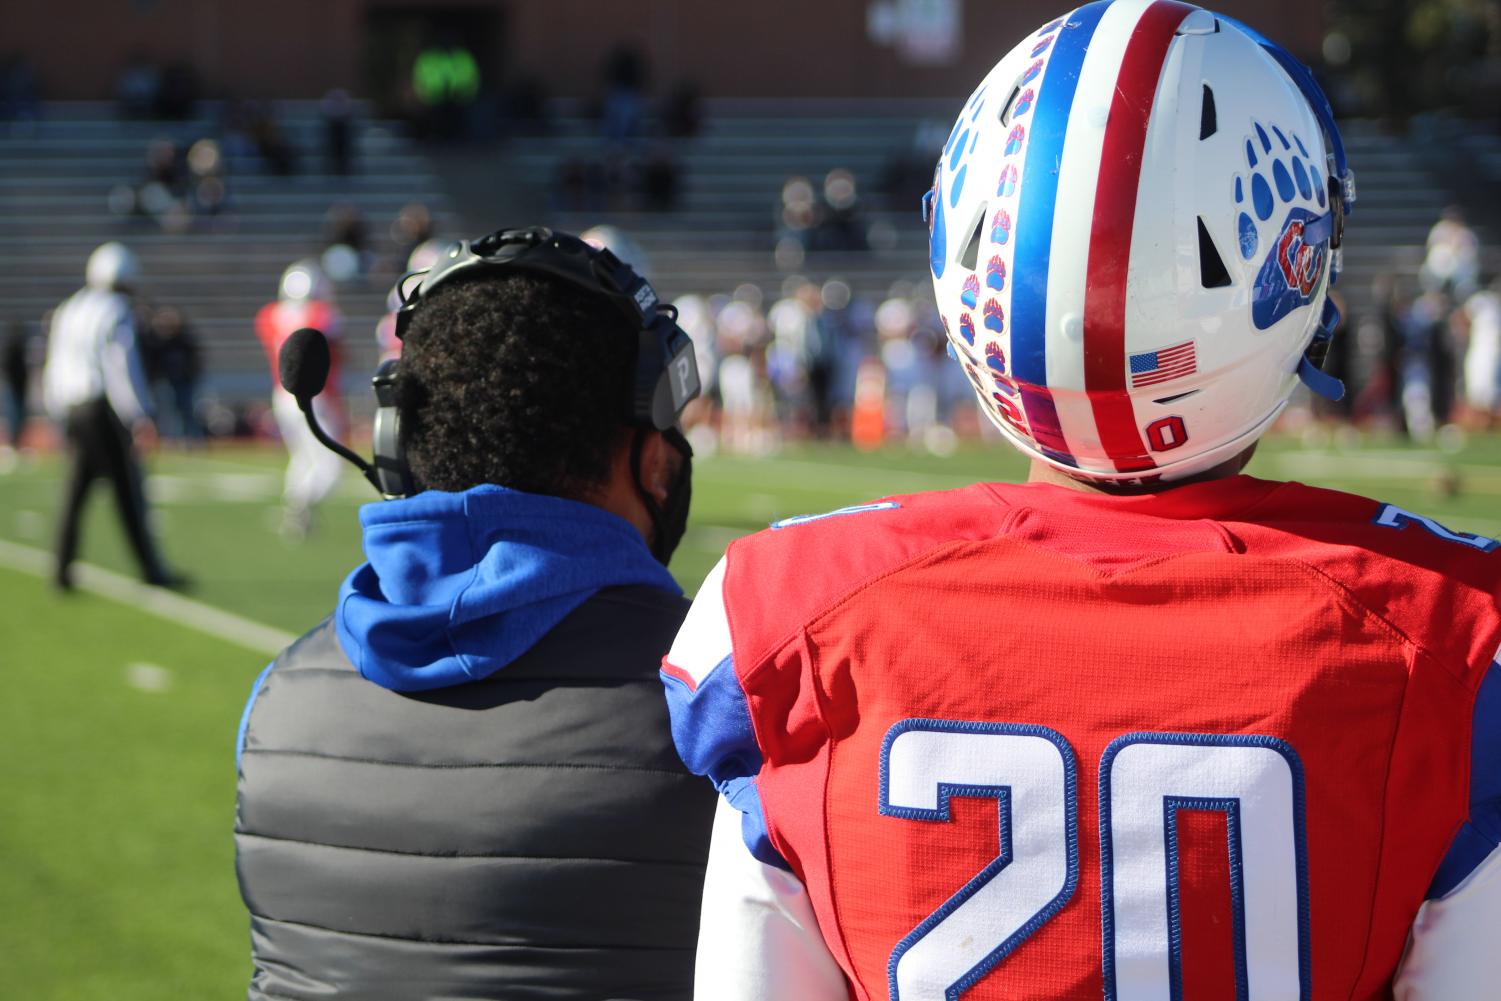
666	374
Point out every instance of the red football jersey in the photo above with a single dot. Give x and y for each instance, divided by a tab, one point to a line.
277	321
1027	742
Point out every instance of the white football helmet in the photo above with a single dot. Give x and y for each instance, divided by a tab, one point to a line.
304	281
1134	225
111	266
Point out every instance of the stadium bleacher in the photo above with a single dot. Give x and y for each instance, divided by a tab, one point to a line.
55	180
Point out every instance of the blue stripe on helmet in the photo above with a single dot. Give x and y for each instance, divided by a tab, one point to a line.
1034	222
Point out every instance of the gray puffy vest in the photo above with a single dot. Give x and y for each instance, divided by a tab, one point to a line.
528	836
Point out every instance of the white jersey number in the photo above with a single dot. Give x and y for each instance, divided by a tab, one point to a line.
1145	779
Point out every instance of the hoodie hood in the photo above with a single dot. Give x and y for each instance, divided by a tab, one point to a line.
458	585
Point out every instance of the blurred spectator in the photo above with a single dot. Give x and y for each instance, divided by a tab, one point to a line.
790	357
624	104
209	193
1452	263
138	86
1381	338
17	373
1427	366
682	112
659	176
525	108
412	227
337	112
173	357
840	226
271	144
347	253
1482	364
177	97
305	299
20	94
807	222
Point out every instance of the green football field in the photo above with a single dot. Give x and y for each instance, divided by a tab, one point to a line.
118	719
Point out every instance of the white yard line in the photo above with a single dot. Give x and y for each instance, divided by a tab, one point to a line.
154	600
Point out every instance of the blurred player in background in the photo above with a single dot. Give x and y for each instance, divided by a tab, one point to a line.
306	299
1143	727
94	386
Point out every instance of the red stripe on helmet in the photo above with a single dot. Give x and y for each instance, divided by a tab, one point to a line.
1110	234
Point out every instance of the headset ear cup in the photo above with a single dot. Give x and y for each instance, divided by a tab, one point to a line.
390	456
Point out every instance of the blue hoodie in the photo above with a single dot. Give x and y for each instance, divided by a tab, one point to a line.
458	585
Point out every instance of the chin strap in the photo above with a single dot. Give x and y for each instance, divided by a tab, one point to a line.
1313	377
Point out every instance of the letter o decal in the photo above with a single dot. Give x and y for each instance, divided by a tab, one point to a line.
1167	433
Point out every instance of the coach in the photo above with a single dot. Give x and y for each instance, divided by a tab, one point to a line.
462	783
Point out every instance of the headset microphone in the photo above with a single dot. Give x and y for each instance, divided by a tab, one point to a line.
302	366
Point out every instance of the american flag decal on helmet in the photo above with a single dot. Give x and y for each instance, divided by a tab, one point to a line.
1164	365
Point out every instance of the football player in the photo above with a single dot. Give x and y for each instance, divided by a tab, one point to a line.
1144	727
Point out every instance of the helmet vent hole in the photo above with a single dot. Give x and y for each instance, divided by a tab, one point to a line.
1212	270
1208	118
969	256
1174	399
1010	104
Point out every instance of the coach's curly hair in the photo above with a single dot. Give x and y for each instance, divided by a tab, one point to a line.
520	380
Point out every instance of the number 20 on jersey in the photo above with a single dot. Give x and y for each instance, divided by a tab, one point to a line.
1145	780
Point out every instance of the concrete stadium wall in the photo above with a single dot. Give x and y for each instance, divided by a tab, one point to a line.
772	48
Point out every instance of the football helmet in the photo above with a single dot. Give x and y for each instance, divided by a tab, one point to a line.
111	266
304	281
1133	229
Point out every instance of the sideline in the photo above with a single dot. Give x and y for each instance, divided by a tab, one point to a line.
154	600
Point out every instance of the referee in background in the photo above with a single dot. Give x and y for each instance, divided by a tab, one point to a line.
94	386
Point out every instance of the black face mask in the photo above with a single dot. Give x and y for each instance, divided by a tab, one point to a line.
670	518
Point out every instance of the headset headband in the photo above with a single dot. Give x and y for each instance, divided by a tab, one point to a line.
539	250
666	372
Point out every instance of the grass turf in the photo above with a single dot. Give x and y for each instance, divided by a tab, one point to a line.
117	727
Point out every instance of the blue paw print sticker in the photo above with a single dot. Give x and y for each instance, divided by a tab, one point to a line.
971	294
1000	226
995	319
967	328
1007	185
1283	179
1015	139
995	274
995	358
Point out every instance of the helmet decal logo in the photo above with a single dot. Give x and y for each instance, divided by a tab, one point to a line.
1292	267
1000	224
971	294
1164	365
1048	29
995	273
1005	189
995	319
995	358
967	328
1031	73
1042	46
1023	103
1015	139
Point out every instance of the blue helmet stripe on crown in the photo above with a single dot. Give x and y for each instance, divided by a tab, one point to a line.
1039	196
